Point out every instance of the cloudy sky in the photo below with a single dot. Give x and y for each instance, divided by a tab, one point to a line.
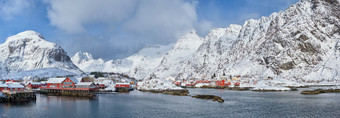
113	29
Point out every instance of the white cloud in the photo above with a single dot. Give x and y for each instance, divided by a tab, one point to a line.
166	20
72	15
125	24
9	8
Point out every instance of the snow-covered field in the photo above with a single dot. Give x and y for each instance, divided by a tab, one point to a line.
158	84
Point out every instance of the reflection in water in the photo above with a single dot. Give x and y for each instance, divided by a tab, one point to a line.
141	104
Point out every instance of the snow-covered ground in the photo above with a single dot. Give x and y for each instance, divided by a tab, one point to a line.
41	73
202	84
275	85
158	84
110	87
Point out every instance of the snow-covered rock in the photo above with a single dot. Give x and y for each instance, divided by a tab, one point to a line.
158	84
29	50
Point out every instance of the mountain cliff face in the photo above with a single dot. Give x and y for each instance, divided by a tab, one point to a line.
28	50
300	44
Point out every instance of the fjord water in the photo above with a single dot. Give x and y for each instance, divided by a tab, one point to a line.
141	104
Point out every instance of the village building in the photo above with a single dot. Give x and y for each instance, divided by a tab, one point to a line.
61	83
12	87
11	81
86	85
34	85
123	87
69	86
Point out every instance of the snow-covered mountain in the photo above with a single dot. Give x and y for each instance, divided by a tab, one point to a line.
299	44
86	62
29	50
137	65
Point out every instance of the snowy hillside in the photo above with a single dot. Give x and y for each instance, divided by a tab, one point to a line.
29	50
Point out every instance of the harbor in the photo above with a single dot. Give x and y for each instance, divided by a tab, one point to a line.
137	103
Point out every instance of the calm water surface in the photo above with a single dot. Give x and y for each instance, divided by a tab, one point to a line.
141	104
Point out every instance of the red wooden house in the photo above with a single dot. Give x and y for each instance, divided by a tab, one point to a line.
122	85
61	83
222	83
34	85
178	83
237	84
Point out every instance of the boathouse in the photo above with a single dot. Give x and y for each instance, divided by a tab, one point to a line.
123	87
61	83
126	85
68	86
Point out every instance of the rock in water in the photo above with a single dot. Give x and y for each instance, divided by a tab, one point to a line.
209	97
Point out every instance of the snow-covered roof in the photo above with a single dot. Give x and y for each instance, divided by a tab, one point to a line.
55	80
3	85
101	78
36	83
84	83
123	83
75	80
59	80
16	86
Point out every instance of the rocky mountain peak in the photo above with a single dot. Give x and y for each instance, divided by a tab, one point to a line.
29	50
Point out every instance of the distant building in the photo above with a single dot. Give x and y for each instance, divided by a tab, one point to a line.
34	85
12	87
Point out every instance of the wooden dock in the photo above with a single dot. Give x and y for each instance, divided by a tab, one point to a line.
17	96
81	92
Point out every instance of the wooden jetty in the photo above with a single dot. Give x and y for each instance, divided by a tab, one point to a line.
82	92
17	96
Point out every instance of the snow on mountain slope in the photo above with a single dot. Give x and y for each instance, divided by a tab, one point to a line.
142	63
136	65
174	63
299	44
86	62
29	50
40	73
295	45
